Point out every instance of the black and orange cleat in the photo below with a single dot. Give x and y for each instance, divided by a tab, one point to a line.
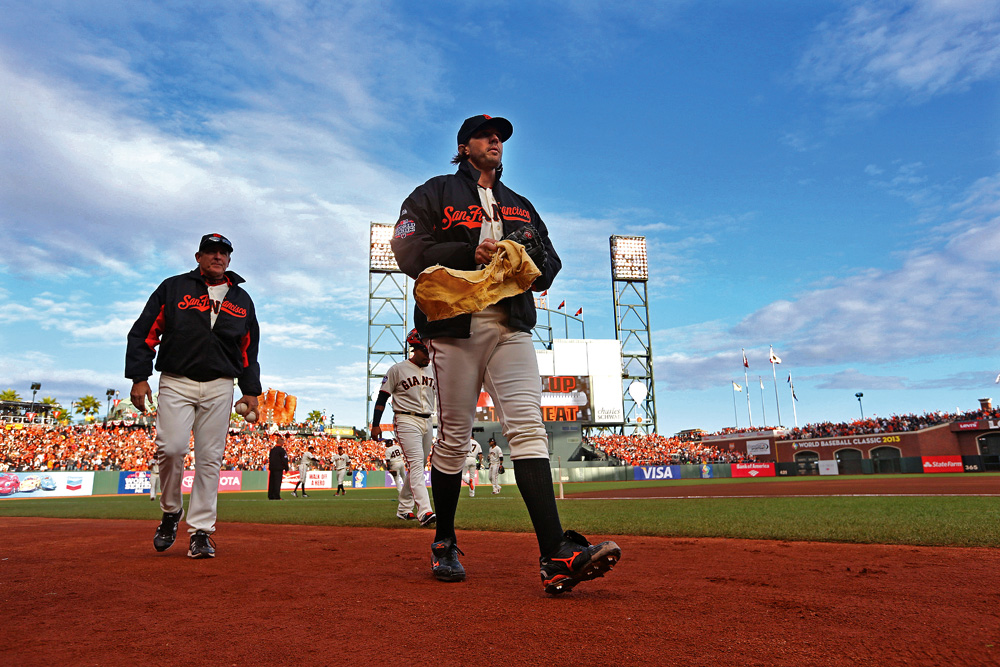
444	561
166	532
577	560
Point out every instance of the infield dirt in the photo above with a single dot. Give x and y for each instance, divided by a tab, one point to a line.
85	592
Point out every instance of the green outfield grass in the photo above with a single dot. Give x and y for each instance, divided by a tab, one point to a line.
940	520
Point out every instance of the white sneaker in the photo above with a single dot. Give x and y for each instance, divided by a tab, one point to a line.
472	494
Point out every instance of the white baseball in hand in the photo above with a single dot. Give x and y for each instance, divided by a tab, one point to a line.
248	414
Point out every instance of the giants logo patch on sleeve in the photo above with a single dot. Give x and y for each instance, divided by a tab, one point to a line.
404	228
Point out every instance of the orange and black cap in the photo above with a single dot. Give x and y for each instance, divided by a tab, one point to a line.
471	125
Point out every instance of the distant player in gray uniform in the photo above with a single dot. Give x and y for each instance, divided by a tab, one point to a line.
395	463
473	462
306	462
341	462
154	477
411	386
496	460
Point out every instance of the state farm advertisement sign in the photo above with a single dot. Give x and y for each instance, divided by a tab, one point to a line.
943	464
753	470
229	480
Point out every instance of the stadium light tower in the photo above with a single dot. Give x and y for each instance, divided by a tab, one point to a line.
388	298
629	275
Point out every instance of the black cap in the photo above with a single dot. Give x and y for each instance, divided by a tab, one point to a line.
209	240
469	127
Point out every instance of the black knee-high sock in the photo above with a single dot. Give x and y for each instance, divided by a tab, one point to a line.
534	481
445	489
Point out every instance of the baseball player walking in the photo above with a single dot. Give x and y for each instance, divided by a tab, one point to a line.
495	461
341	463
410	384
154	478
205	325
473	462
456	221
395	463
306	462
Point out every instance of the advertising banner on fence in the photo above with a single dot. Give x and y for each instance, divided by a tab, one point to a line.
759	447
315	479
359	481
753	470
643	473
131	481
942	463
45	484
390	481
229	480
828	468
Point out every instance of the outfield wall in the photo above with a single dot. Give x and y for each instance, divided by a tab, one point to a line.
103	483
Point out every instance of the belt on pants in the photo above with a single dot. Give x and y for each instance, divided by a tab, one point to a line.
414	414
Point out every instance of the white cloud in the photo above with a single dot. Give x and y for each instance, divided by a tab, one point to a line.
877	51
943	300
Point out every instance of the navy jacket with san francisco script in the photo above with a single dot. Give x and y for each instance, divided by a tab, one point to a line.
440	223
177	317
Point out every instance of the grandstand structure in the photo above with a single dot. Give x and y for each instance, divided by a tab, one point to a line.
29	413
589	386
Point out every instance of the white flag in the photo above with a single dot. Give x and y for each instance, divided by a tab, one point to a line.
772	357
737	387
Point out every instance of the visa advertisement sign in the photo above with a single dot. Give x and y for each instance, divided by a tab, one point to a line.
644	473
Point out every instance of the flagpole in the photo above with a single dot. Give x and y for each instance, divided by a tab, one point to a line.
775	375
791	389
746	382
733	389
763	413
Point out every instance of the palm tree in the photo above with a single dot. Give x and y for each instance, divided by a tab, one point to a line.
87	406
9	395
315	417
63	417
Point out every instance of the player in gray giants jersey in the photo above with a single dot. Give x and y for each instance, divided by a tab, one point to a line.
411	386
395	463
473	462
306	462
495	457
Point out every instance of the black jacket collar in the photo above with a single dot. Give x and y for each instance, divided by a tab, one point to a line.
466	169
233	277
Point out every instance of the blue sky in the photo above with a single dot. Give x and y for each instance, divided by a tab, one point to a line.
822	177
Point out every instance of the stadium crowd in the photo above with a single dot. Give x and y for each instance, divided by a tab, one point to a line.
95	448
656	449
869	425
130	448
